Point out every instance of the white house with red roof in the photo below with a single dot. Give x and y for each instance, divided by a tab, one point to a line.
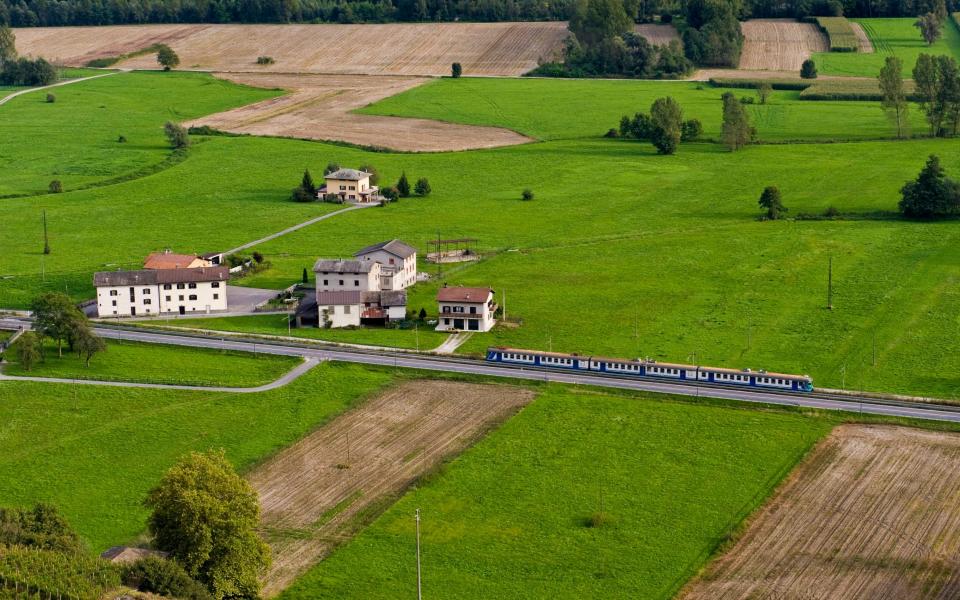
466	309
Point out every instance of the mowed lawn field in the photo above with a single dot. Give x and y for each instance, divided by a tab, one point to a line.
94	452
622	252
156	363
510	517
896	37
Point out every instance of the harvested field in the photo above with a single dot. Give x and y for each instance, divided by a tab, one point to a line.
319	106
657	34
389	49
780	44
315	493
864	44
873	512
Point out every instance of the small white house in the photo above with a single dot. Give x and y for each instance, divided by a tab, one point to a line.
398	263
466	309
350	185
161	291
347	275
350	308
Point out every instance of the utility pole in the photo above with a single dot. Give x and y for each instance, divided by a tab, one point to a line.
416	332
749	335
46	241
874	348
830	284
504	304
419	586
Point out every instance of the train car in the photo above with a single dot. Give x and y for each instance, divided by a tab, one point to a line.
652	369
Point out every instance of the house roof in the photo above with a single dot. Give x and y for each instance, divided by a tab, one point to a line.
393	298
395	247
351	174
128	554
476	295
158	276
168	260
327	265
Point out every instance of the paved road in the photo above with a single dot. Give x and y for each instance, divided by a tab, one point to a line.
295	227
461	365
289	376
10	97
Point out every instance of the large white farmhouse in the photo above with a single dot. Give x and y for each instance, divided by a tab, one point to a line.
348	308
466	309
346	275
398	263
161	291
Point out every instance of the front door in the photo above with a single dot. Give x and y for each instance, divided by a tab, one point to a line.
458	323
133	311
183	310
474	325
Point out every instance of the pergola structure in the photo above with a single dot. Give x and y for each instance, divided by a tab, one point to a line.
454	250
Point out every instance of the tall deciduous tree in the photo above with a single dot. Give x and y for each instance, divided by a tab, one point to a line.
28	350
594	21
87	343
8	45
937	83
56	317
666	116
930	26
205	516
893	98
167	58
736	131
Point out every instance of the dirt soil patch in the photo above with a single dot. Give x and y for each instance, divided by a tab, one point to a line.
319	106
873	512
316	493
780	44
863	40
657	34
377	49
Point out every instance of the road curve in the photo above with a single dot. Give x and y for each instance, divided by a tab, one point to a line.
853	404
10	97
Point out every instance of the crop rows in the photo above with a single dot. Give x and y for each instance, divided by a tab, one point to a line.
32	573
841	34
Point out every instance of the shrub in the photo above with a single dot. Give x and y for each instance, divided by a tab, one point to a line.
666	18
772	203
160	576
527	194
456	70
691	130
612	133
24	71
257	258
666	117
422	188
299	194
931	195
403	185
55	187
176	134
746	99
764	91
808	70
122	139
51	98
831	211
265	60
598	519
390	193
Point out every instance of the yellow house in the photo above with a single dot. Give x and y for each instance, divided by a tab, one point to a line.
350	185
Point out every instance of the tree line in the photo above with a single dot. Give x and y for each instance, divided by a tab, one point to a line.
16	70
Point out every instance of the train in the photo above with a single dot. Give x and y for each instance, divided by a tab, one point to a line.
646	368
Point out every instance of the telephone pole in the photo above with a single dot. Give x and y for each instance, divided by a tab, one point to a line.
419	586
830	284
46	241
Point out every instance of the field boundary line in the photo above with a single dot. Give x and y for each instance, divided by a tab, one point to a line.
10	97
288	377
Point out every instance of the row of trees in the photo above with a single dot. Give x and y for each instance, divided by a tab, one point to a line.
56	317
712	36
937	90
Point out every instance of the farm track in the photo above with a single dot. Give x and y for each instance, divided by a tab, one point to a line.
422	49
873	512
779	44
319	107
315	493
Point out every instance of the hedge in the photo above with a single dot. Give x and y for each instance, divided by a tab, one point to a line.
868	90
752	84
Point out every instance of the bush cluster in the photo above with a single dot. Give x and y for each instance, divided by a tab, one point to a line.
24	71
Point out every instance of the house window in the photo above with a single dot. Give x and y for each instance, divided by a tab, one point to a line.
114	304
446	309
168	298
147	301
216	296
192	286
446	321
193	296
114	293
146	291
346	310
473	310
391	261
325	282
179	286
353	187
181	297
356	283
341	282
166	286
343	187
215	284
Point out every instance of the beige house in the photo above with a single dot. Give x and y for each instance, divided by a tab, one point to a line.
161	291
350	185
466	309
346	275
171	260
398	263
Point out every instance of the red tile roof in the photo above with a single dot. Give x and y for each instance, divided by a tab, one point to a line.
476	295
168	260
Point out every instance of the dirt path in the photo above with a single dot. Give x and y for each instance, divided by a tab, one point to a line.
319	106
312	493
780	44
10	97
873	512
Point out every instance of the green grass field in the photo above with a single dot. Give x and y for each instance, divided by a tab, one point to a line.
889	36
277	325
508	518
156	363
88	118
95	451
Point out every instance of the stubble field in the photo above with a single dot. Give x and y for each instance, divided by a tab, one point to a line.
871	513
779	44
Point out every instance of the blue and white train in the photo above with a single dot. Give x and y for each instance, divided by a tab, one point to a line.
651	368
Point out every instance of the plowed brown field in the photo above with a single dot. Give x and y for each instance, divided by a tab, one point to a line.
780	44
389	49
873	512
656	34
313	492
319	106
